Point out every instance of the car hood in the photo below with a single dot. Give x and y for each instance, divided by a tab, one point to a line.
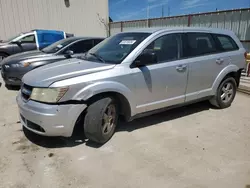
3	43
61	70
24	56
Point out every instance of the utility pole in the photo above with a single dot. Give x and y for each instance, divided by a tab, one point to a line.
162	11
148	15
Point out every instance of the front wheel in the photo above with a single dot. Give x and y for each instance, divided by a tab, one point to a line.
100	120
225	93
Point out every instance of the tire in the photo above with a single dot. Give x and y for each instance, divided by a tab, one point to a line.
99	125
225	93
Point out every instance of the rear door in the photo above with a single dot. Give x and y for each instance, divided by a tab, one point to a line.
205	62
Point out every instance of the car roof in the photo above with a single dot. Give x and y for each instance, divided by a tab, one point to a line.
86	38
169	29
72	39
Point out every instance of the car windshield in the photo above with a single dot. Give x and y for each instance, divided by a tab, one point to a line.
12	38
116	48
55	47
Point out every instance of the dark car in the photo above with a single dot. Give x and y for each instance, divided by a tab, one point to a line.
32	40
15	66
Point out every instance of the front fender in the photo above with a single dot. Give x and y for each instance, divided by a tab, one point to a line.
6	50
221	76
106	86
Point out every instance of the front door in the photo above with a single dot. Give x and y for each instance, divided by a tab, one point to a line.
27	43
164	83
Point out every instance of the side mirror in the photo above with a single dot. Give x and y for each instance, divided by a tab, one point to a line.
147	57
68	53
18	42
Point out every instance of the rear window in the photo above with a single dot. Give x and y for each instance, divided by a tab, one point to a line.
226	43
200	44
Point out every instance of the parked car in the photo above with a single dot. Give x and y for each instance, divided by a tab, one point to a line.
32	40
132	74
15	66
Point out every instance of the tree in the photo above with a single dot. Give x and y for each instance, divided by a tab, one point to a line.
105	23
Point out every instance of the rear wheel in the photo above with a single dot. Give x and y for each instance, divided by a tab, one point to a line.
225	93
101	120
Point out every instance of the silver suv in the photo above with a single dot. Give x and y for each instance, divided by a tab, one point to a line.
131	74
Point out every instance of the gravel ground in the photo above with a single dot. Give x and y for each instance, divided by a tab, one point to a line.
190	147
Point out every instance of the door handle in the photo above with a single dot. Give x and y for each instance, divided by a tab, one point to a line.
219	61
181	68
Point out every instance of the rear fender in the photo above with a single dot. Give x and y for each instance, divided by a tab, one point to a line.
222	75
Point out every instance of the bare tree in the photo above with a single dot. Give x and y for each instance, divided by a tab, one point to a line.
105	23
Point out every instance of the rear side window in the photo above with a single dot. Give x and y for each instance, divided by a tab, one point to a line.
226	43
199	44
51	37
81	46
97	41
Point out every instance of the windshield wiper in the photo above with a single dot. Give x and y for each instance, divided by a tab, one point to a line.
98	57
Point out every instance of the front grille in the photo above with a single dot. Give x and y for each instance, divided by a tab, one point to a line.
26	91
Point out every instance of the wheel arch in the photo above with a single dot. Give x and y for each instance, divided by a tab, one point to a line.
116	90
229	71
123	103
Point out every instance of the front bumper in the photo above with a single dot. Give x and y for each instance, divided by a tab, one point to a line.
49	120
12	78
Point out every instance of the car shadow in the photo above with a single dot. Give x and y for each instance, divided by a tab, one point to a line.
78	137
164	116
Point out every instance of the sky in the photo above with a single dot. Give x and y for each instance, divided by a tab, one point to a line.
122	10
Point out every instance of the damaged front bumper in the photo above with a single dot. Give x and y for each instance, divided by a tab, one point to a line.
49	119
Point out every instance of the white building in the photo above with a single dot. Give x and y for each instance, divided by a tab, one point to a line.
80	17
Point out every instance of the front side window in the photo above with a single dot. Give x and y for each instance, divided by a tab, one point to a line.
28	39
199	44
226	43
166	48
116	48
55	47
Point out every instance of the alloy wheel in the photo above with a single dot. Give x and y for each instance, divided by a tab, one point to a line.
227	92
109	117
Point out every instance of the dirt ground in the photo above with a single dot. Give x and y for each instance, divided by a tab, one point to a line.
190	147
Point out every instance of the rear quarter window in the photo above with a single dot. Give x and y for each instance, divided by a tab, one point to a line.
226	43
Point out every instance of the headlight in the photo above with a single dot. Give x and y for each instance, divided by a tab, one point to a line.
48	95
15	65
